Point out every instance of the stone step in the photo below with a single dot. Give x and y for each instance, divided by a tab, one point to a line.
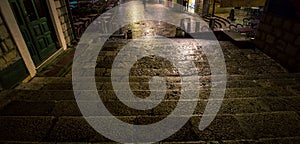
233	92
228	128
204	83
273	77
230	106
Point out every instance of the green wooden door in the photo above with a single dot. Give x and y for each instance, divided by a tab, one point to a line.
33	23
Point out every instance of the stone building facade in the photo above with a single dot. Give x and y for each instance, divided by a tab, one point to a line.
64	17
278	34
9	52
9	57
24	41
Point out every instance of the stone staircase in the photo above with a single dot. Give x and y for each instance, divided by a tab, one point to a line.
220	22
261	104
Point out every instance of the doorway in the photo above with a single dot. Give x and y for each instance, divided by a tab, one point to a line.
38	32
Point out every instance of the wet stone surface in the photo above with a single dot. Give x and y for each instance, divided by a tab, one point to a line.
261	102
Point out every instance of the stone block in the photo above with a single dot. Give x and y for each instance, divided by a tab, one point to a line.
298	66
22	108
270	125
280	44
258	34
64	11
69	26
270	39
65	34
70	32
278	32
66	108
57	4
266	27
58	12
224	127
269	18
260	43
267	49
12	55
64	27
263	36
290	140
289	37
10	44
297	41
63	3
291	50
273	52
277	21
24	128
282	57
239	106
4	47
3	32
263	17
296	29
71	129
68	40
287	24
292	63
62	19
3	63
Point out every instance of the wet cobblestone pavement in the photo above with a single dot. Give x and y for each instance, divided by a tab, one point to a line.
261	102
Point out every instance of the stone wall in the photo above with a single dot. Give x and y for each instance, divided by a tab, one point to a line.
9	53
279	37
199	7
63	14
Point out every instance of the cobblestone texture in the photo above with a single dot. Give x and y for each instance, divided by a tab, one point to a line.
63	15
261	103
281	37
8	52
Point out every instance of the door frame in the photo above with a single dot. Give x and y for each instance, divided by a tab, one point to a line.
13	27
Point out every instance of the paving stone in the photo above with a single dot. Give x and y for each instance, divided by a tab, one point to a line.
53	80
190	142
287	140
24	142
66	108
3	103
293	102
32	95
24	128
186	133
71	129
58	87
100	138
270	125
4	94
241	84
261	102
277	103
246	92
239	141
27	108
239	106
29	86
221	128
